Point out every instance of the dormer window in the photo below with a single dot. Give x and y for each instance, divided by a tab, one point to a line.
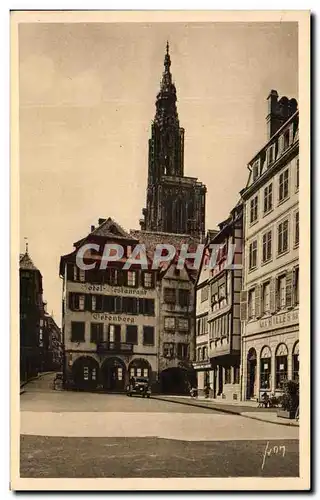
286	140
271	155
255	171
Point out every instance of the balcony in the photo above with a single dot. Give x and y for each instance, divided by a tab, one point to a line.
114	348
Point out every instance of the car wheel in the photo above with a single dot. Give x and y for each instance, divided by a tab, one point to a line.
148	396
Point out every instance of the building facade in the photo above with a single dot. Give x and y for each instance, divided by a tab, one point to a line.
110	317
175	203
176	307
218	329
270	296
31	317
52	349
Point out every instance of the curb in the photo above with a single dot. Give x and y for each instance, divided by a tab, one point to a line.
223	410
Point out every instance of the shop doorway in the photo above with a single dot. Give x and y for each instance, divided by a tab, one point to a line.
251	373
113	375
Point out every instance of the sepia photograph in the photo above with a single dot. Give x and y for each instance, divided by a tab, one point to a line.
157	259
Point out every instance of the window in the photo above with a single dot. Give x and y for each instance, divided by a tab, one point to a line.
254	209
204	293
284	185
265	369
227	375
266	297
283	236
146	372
148	335
286	140
147	280
253	254
281	292
297	175
113	276
267	198
169	323
222	291
170	295
96	334
183	324
77	331
115	334
131	278
236	374
146	306
76	302
281	366
129	305
182	350
296	228
270	155
251	303
78	274
255	171
184	298
296	286
132	334
168	349
295	363
267	246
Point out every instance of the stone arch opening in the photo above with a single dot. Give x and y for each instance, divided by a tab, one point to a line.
113	374
140	367
251	373
175	381
85	372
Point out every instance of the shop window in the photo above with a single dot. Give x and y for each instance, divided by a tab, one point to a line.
281	366
227	375
146	372
265	368
295	363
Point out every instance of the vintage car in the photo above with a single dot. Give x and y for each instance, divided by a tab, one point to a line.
139	386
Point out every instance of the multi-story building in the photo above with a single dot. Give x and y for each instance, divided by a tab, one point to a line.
31	317
109	316
270	297
218	330
51	358
176	313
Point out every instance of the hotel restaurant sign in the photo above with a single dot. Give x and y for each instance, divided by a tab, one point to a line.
280	320
119	290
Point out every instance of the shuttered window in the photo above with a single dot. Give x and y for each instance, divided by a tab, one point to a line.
267	198
266	297
96	333
251	303
253	249
283	236
289	290
284	185
243	305
254	209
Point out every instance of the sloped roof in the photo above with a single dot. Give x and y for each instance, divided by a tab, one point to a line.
109	228
152	238
25	262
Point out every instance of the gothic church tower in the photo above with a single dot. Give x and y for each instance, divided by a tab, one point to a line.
175	203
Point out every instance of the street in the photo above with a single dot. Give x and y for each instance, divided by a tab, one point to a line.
74	434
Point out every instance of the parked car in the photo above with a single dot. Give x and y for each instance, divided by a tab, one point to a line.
139	386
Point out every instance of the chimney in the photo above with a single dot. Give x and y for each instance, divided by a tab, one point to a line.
279	111
92	229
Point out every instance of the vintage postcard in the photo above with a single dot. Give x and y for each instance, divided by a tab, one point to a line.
160	241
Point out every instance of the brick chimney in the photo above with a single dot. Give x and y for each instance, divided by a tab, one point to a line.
279	111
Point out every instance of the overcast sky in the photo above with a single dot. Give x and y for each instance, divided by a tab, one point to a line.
87	95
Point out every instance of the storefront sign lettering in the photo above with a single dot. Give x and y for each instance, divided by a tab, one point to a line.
113	318
116	290
279	319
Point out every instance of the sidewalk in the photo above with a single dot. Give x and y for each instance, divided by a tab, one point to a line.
25	382
248	409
